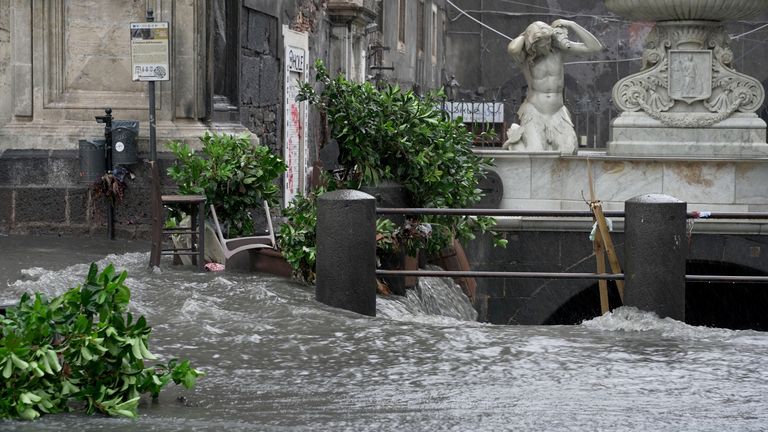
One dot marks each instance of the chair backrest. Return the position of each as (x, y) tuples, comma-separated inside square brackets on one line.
[(269, 225), (219, 232), (252, 242)]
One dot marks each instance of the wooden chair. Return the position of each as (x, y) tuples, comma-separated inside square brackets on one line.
[(238, 244), (194, 205)]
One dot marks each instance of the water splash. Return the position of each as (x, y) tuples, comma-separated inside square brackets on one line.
[(433, 300), (632, 319)]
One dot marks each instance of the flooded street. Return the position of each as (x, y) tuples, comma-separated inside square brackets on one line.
[(277, 360)]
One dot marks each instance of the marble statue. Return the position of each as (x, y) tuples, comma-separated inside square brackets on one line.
[(545, 123)]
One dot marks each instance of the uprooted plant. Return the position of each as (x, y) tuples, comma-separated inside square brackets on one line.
[(82, 346)]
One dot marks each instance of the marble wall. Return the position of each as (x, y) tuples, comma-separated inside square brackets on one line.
[(548, 181), (5, 58), (63, 61)]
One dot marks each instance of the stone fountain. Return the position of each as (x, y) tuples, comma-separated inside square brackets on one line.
[(688, 100), (687, 128)]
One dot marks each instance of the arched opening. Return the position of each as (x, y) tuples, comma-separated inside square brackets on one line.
[(730, 305), (584, 306)]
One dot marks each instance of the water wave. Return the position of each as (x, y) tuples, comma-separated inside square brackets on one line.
[(632, 319), (279, 360)]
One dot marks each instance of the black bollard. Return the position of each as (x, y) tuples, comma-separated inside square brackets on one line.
[(346, 251), (655, 251)]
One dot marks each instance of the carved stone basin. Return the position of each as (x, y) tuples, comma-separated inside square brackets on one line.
[(676, 10)]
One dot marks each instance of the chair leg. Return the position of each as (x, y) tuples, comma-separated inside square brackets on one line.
[(193, 230), (201, 236)]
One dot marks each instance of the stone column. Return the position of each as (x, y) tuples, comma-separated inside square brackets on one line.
[(21, 57), (655, 251), (346, 251)]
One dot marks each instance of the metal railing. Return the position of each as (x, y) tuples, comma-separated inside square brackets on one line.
[(558, 275), (554, 213)]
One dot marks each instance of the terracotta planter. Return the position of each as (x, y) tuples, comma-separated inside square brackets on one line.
[(455, 259), (260, 260), (398, 284)]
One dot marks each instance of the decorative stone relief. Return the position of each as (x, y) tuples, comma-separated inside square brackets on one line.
[(687, 79)]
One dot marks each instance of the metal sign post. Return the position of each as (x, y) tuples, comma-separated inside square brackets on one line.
[(107, 120), (150, 62)]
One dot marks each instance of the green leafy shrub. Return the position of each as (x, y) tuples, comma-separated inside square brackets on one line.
[(234, 175), (297, 239), (80, 346), (394, 135)]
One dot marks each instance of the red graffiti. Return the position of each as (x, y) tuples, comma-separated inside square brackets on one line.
[(296, 119)]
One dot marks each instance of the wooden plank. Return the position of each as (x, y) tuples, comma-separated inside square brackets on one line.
[(610, 250), (602, 283), (597, 246), (182, 199)]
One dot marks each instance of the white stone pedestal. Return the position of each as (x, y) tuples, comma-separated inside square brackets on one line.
[(549, 181), (743, 135)]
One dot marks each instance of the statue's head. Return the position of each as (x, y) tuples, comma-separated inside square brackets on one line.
[(538, 38)]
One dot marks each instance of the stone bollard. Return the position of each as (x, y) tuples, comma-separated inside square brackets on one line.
[(655, 251), (346, 251)]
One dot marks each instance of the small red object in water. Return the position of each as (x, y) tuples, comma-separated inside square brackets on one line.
[(214, 267)]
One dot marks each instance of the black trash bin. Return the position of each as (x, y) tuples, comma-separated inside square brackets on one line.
[(92, 163), (124, 142)]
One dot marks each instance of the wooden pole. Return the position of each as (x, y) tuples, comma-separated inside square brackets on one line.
[(598, 248), (610, 250)]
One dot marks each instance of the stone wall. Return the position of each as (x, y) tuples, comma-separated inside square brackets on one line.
[(5, 59), (411, 67), (40, 188), (69, 59), (541, 301), (41, 193), (260, 93)]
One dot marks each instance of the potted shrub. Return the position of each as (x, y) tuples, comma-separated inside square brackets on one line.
[(391, 135), (234, 175)]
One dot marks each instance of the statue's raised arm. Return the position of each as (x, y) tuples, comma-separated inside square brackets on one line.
[(589, 43), (516, 48)]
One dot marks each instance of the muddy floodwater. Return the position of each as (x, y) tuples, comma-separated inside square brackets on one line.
[(276, 360)]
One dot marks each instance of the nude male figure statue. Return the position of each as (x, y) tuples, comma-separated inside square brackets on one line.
[(539, 52)]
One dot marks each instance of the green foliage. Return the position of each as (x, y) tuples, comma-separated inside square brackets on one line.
[(297, 238), (83, 346), (390, 134), (298, 241), (234, 175)]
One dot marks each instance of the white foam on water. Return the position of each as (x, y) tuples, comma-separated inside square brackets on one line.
[(631, 319)]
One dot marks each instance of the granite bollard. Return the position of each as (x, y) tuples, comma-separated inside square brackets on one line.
[(655, 251), (346, 251)]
